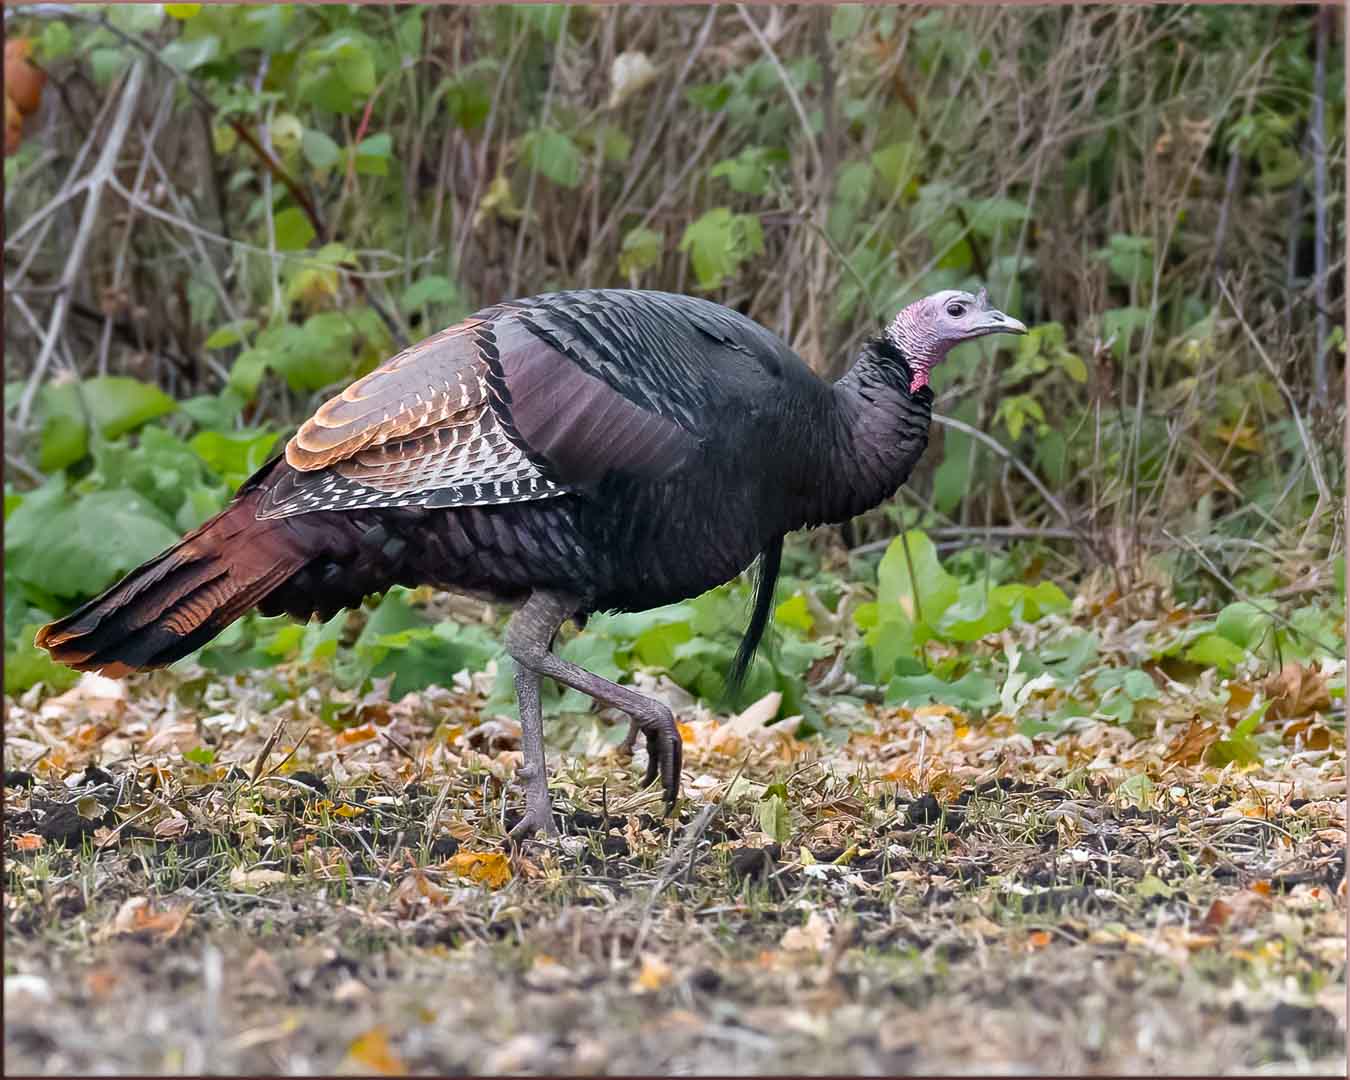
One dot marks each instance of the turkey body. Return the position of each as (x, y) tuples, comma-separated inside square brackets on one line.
[(572, 452), (625, 448)]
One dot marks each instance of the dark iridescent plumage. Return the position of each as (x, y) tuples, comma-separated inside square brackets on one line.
[(584, 451)]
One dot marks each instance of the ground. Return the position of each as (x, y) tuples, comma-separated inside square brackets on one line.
[(322, 884)]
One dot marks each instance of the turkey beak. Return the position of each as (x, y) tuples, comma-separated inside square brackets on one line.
[(995, 322)]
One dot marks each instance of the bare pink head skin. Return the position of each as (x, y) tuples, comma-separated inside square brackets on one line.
[(929, 328)]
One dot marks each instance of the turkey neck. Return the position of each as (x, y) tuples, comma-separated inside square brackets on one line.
[(875, 431)]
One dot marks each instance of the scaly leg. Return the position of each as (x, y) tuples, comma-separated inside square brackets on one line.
[(534, 772), (528, 639)]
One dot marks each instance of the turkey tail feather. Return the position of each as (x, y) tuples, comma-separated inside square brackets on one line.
[(181, 599)]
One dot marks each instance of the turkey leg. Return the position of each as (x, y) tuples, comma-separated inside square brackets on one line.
[(529, 637), (533, 773)]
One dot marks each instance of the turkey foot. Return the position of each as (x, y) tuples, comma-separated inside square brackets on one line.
[(533, 772), (529, 639)]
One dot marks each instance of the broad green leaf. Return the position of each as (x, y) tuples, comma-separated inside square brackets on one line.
[(80, 546), (432, 289), (972, 691), (233, 456), (320, 150), (26, 665), (846, 21), (554, 154), (293, 230), (718, 242), (795, 613), (232, 333), (372, 154), (936, 590), (1214, 650), (1243, 623), (189, 54)]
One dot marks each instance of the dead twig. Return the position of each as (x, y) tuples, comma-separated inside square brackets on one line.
[(98, 180)]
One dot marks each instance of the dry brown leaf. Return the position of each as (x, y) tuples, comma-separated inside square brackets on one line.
[(28, 842), (1296, 691), (490, 868), (1190, 746), (372, 1053), (139, 914)]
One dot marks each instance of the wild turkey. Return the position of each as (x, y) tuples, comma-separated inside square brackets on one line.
[(575, 452)]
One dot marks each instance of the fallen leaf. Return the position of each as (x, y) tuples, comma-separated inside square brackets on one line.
[(139, 914), (815, 935), (28, 842), (655, 974), (1038, 939), (1190, 747), (355, 735), (255, 879), (372, 1052), (1219, 913), (490, 868), (1296, 691)]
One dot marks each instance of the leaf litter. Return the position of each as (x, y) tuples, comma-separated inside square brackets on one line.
[(1167, 894)]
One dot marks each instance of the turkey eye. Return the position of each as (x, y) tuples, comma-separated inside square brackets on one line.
[(955, 310)]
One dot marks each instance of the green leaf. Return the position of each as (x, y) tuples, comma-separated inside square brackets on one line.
[(1239, 746), (188, 55), (338, 73), (372, 154), (468, 96), (73, 547), (232, 333), (1243, 623), (718, 242), (846, 21), (795, 613), (554, 154), (1214, 650), (751, 171), (106, 64), (976, 614), (972, 691), (26, 665), (772, 815), (54, 43), (214, 411), (201, 755), (432, 289), (936, 589), (116, 403), (64, 440), (1136, 791), (641, 251), (320, 151), (293, 229), (233, 456)]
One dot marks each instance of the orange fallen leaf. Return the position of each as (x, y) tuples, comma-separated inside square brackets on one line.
[(355, 735), (28, 842), (1038, 939), (655, 974), (1218, 914), (372, 1052), (1190, 747), (140, 915), (490, 868)]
